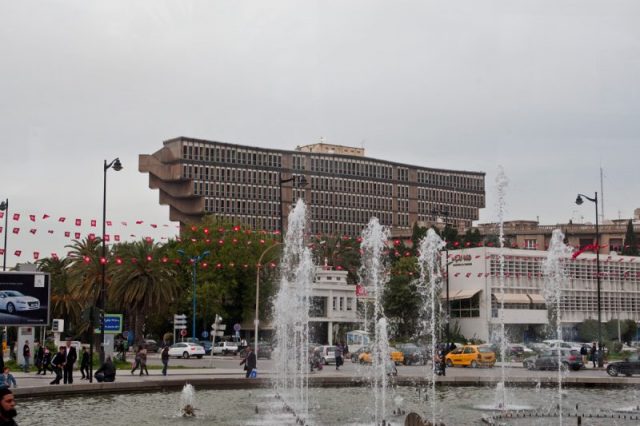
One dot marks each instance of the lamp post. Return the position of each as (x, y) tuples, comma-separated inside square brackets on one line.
[(299, 181), (4, 206), (594, 200), (256, 321), (194, 262), (117, 166)]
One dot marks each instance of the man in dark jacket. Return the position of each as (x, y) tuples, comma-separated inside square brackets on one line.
[(250, 362), (39, 357), (106, 372), (7, 408), (26, 353), (84, 364), (58, 363), (165, 359), (71, 358)]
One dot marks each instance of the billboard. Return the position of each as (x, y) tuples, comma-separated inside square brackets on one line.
[(112, 324), (25, 298)]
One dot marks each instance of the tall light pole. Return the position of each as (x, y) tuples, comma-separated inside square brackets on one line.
[(594, 200), (256, 321), (4, 206), (299, 181), (117, 166), (195, 260)]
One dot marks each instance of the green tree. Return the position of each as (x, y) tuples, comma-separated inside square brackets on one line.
[(145, 282), (630, 241), (588, 330), (85, 271), (63, 303), (401, 300), (472, 237)]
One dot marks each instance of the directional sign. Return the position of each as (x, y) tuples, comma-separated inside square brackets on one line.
[(112, 324), (180, 327), (183, 332), (219, 333)]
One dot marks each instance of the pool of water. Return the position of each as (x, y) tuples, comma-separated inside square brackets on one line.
[(328, 406)]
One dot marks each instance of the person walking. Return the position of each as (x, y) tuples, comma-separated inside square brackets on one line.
[(250, 362), (26, 353), (84, 364), (136, 361), (584, 353), (7, 408), (58, 364), (70, 360), (338, 354), (594, 355), (38, 359), (143, 361), (164, 356), (7, 379)]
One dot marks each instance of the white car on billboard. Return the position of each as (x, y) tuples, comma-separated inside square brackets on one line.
[(13, 301)]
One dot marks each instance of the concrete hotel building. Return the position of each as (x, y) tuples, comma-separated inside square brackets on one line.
[(475, 297), (345, 188)]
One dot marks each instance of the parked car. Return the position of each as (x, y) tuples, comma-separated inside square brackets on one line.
[(207, 345), (394, 354), (628, 366), (471, 356), (355, 355), (548, 360), (13, 301), (186, 350), (328, 354), (412, 354), (151, 345), (562, 344), (225, 348)]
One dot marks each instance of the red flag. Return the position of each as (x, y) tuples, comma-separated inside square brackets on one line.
[(1, 215), (153, 225), (77, 235), (588, 247), (16, 216), (50, 231), (36, 255), (139, 222), (1, 229), (93, 222), (33, 231), (16, 230), (124, 223), (361, 290), (62, 219), (116, 237), (108, 223), (106, 238), (78, 222), (32, 217), (92, 237), (1, 252), (17, 253), (45, 216), (67, 234), (54, 256)]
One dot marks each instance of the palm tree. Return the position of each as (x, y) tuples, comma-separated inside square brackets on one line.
[(142, 282), (85, 270), (63, 303)]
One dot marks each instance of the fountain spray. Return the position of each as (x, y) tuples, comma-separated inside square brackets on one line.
[(501, 187)]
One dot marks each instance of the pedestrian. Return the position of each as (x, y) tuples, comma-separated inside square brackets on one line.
[(70, 360), (338, 354), (106, 372), (57, 363), (136, 361), (46, 362), (250, 362), (1, 359), (26, 353), (584, 352), (84, 364), (143, 361), (7, 379), (7, 408), (164, 355), (38, 359), (594, 355)]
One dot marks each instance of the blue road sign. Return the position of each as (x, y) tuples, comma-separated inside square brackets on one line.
[(112, 324), (205, 334)]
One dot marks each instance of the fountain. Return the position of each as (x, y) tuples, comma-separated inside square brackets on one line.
[(188, 401), (429, 288), (373, 275), (291, 318), (555, 279)]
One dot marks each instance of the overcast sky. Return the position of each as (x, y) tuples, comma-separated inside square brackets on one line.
[(547, 89)]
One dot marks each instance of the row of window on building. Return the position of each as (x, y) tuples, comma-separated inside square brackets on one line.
[(213, 153), (448, 196), (451, 180), (582, 270)]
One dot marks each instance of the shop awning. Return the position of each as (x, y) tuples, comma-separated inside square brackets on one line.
[(463, 294), (537, 298), (512, 298)]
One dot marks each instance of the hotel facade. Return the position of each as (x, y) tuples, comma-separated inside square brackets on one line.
[(344, 188), (476, 298)]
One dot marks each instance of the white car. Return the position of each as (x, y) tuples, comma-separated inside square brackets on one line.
[(13, 301), (186, 350), (224, 348)]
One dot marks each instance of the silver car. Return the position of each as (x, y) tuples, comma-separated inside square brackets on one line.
[(13, 301)]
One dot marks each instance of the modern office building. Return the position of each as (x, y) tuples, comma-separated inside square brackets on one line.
[(344, 189), (475, 296)]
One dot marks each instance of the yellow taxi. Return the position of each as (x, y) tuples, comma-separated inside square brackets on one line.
[(471, 356), (396, 356)]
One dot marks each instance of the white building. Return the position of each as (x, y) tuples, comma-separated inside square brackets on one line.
[(475, 297), (333, 303)]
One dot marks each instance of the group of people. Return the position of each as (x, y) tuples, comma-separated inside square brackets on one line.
[(592, 354)]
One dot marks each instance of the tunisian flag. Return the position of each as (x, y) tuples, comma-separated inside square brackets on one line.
[(361, 291), (588, 247)]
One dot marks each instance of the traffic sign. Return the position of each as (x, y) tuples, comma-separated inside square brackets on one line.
[(179, 319), (183, 332), (219, 333), (222, 327), (237, 327), (180, 327), (205, 334)]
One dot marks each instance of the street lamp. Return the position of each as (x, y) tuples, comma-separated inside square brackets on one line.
[(194, 261), (4, 206), (117, 166), (298, 180), (594, 200), (256, 321)]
